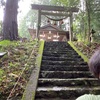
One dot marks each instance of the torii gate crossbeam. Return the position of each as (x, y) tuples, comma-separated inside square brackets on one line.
[(54, 8)]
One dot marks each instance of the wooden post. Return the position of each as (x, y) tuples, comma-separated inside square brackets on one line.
[(38, 24), (71, 27)]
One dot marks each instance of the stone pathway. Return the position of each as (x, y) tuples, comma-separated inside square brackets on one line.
[(63, 74)]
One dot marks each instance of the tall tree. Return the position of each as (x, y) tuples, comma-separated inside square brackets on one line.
[(93, 16), (88, 10), (10, 27)]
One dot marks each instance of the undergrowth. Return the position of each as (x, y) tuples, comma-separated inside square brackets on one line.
[(12, 65)]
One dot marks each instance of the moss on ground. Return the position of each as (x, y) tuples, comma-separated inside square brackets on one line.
[(80, 53)]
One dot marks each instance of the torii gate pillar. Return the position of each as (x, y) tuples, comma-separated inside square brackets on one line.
[(38, 24), (71, 27)]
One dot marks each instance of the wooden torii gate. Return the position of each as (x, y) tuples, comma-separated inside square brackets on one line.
[(64, 11)]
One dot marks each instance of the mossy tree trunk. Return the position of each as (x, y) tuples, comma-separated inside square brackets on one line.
[(10, 27)]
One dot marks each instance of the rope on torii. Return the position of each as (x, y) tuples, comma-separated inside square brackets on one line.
[(60, 19)]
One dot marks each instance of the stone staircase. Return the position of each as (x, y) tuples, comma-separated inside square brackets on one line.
[(64, 75)]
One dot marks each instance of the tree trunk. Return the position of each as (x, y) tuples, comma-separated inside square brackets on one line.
[(88, 15), (10, 27)]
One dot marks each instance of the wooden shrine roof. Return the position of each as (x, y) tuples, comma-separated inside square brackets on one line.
[(48, 28)]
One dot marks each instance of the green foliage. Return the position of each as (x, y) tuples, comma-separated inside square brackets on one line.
[(93, 9), (1, 74), (23, 28), (5, 43), (82, 21), (46, 2), (69, 3), (79, 37), (95, 15), (96, 38)]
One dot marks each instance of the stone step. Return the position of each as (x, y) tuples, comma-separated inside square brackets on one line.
[(62, 58), (65, 74), (57, 46), (61, 55), (84, 65), (63, 68), (59, 50), (53, 99), (65, 92), (66, 53), (58, 42), (47, 62), (86, 82), (66, 57)]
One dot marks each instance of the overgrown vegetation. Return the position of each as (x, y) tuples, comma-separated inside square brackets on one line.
[(87, 48), (17, 63)]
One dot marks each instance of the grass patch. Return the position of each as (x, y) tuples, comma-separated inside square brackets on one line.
[(5, 43)]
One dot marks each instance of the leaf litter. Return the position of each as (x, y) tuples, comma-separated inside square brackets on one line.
[(11, 66)]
